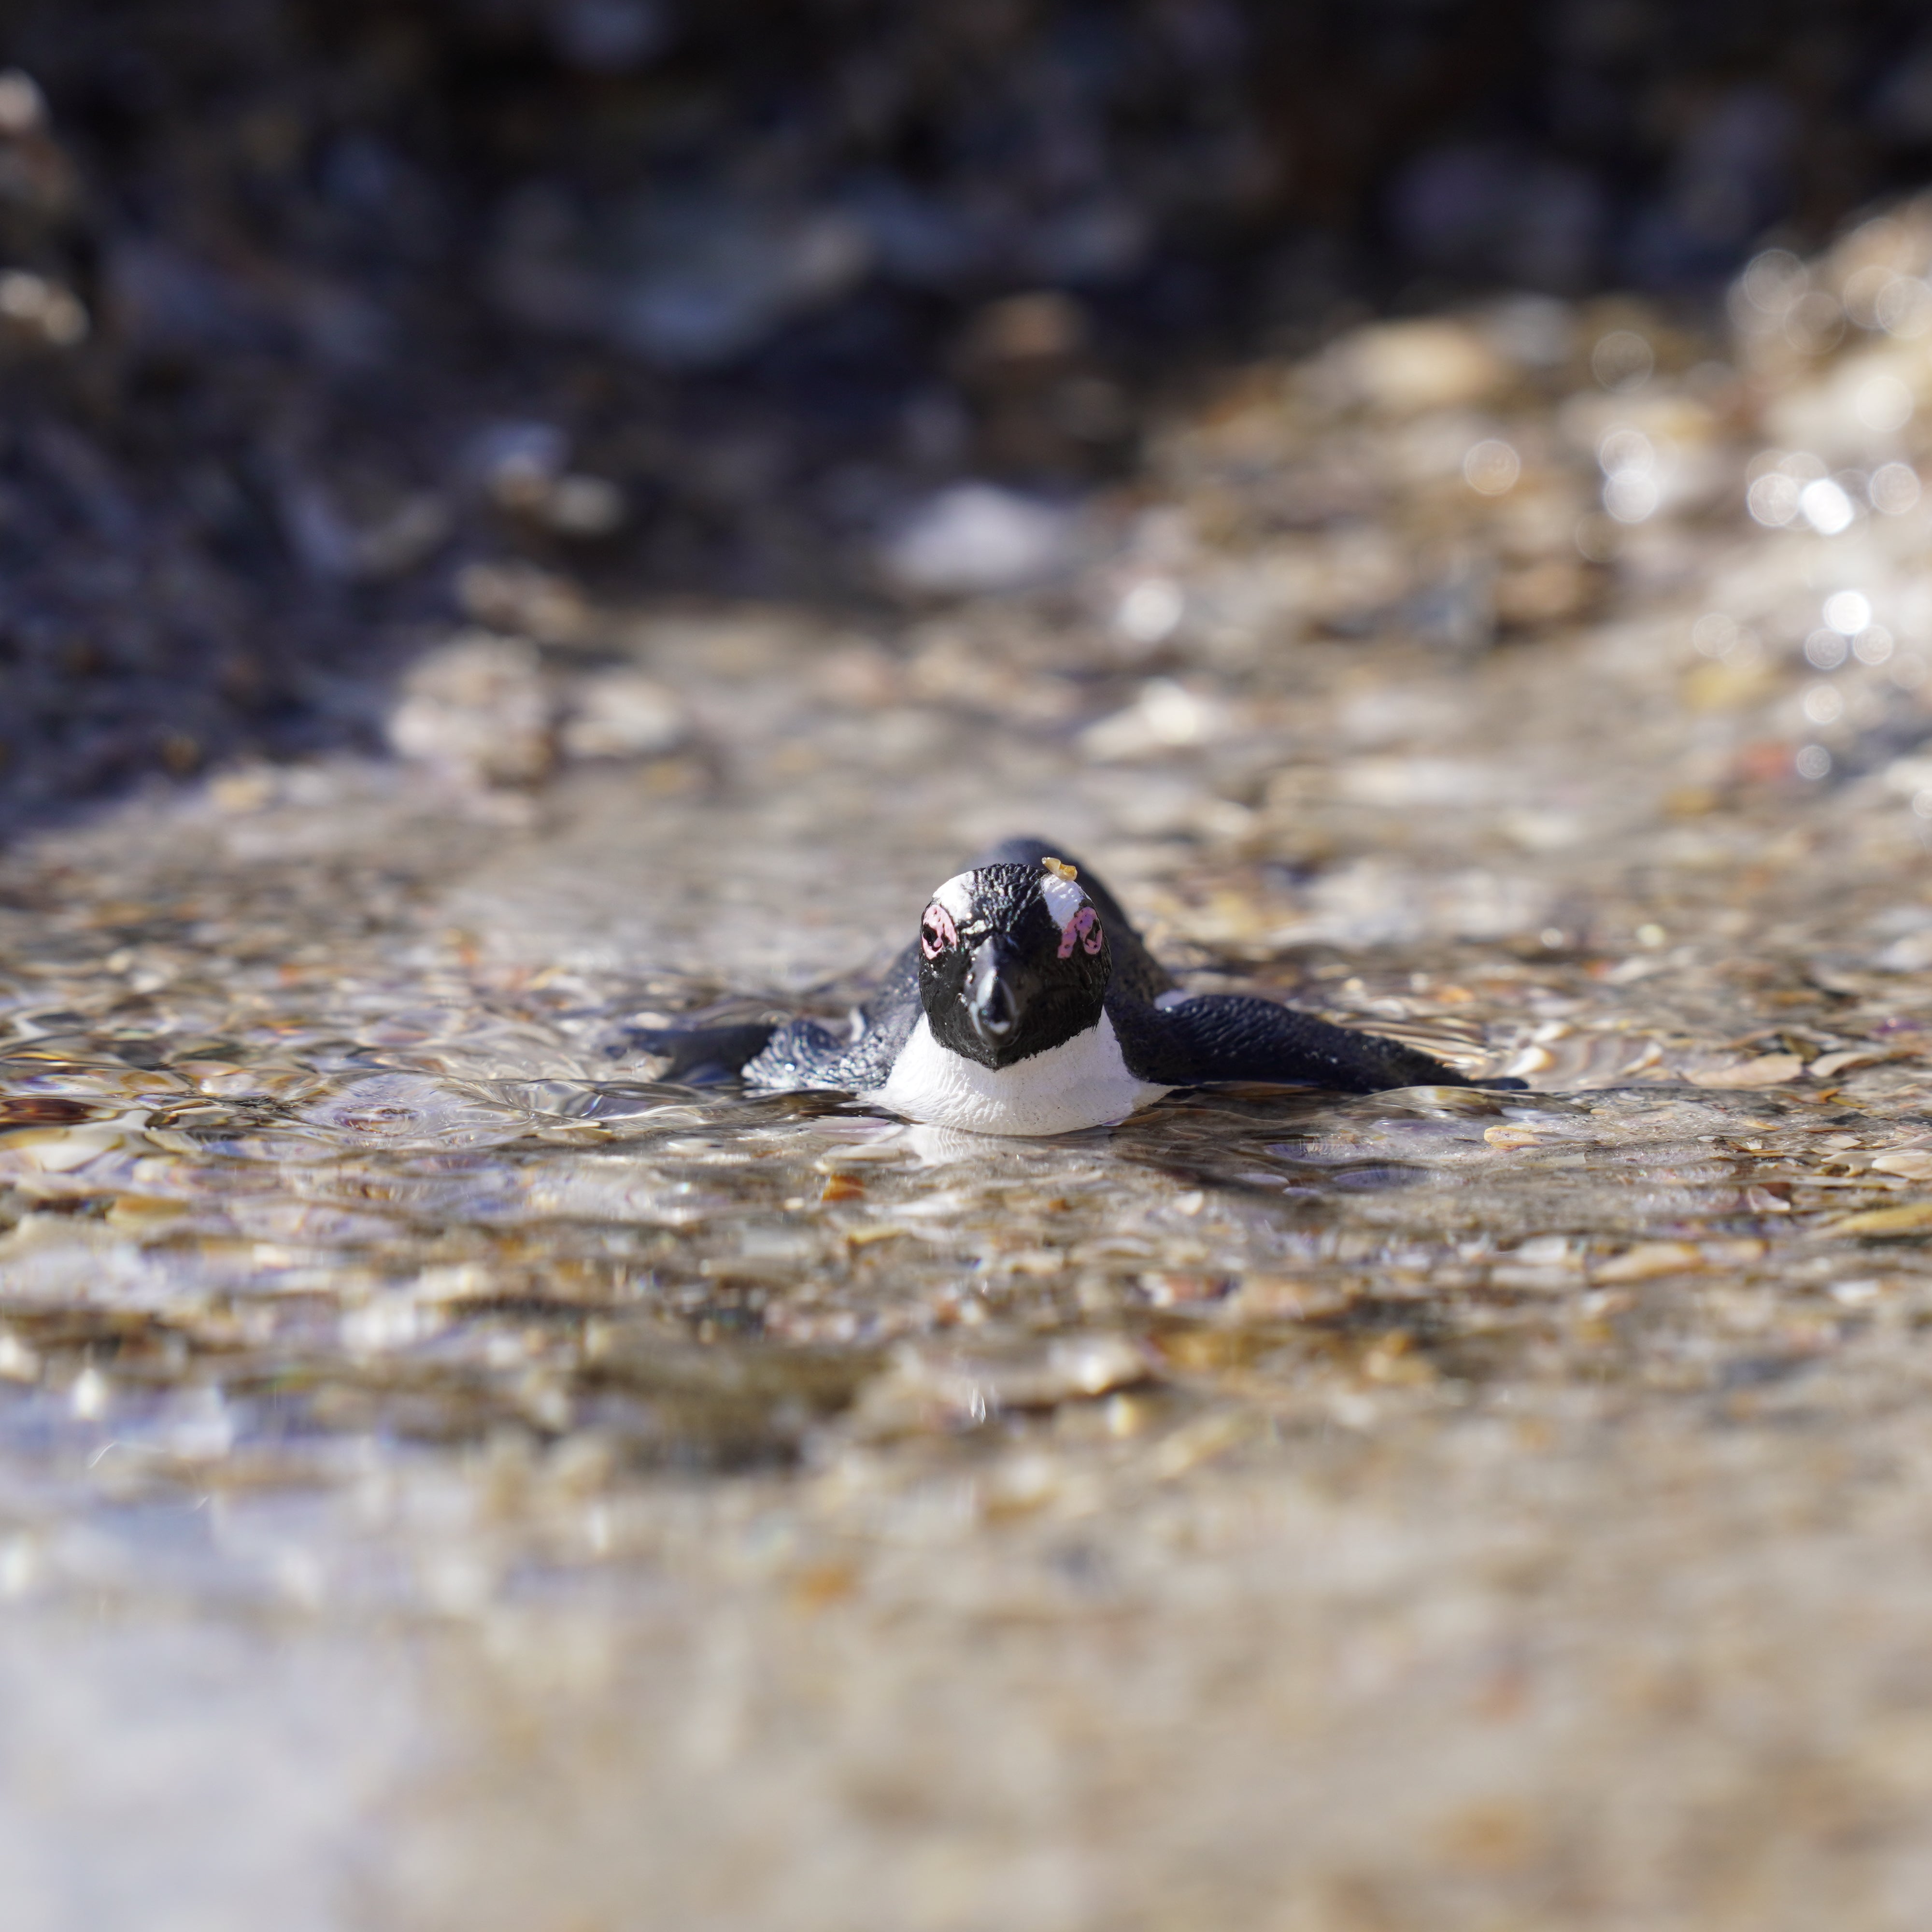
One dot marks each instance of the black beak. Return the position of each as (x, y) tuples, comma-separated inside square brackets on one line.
[(998, 985)]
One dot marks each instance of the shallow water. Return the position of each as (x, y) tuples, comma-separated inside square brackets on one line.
[(446, 1478)]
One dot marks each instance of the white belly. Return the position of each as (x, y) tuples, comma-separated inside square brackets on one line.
[(1084, 1082)]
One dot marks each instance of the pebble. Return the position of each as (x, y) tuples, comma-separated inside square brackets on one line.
[(478, 708), (933, 1387), (1646, 1261), (1767, 1069), (1401, 369), (978, 537), (623, 714)]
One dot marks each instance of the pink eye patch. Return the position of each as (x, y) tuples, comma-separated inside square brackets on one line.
[(936, 932), (1082, 929)]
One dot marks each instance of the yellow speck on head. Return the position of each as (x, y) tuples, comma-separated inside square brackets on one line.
[(1060, 869)]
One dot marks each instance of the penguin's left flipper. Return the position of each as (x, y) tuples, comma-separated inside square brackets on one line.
[(1229, 1036), (697, 1056)]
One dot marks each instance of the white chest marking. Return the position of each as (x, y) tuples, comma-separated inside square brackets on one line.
[(1083, 1082)]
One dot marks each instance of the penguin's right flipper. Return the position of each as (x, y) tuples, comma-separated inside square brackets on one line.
[(806, 1053), (699, 1056), (1136, 971)]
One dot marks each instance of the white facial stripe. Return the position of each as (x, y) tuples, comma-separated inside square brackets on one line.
[(1063, 899), (955, 896)]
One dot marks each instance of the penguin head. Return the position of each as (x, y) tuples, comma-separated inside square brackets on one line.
[(1013, 961)]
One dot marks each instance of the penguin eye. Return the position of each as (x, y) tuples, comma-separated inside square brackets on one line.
[(936, 932), (1082, 930)]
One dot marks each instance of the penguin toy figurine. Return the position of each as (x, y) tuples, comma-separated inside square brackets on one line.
[(1029, 1005)]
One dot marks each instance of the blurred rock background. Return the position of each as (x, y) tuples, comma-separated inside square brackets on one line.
[(319, 324)]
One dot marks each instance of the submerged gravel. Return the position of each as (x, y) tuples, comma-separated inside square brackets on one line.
[(446, 1479)]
